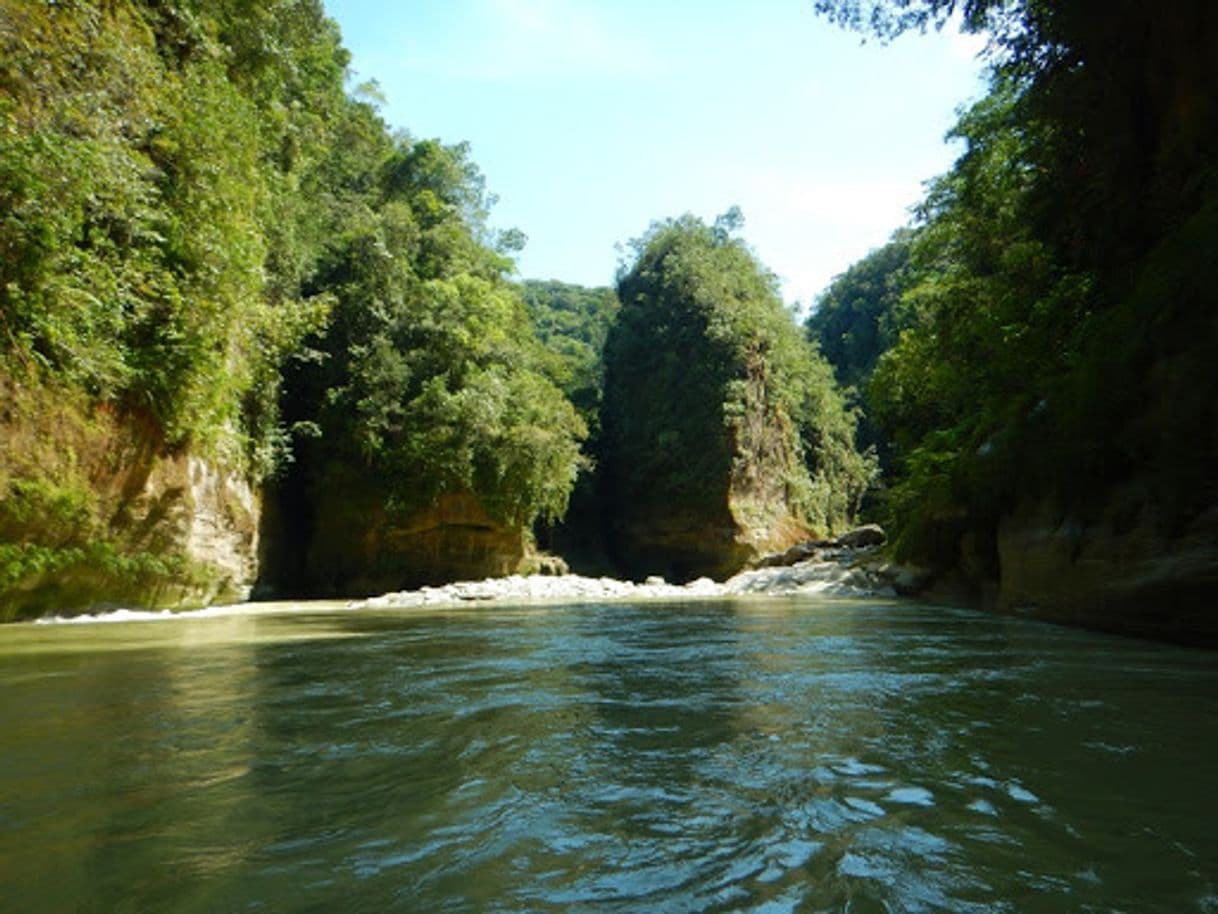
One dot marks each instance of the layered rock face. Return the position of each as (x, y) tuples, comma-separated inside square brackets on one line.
[(96, 512), (726, 524), (360, 548), (207, 514), (1125, 571), (1128, 565)]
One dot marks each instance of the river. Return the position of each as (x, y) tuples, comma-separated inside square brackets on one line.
[(773, 755)]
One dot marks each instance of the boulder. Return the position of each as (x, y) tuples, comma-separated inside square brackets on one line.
[(863, 537), (800, 552)]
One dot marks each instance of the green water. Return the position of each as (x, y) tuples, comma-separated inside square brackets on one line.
[(765, 756)]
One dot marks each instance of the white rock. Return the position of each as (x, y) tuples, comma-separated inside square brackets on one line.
[(813, 576)]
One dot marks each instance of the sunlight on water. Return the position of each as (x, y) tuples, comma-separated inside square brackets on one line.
[(128, 630), (781, 755)]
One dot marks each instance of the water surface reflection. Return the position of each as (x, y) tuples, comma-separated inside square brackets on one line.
[(755, 756)]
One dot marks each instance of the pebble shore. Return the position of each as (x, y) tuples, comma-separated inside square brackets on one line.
[(841, 573)]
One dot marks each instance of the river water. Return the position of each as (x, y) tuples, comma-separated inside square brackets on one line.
[(771, 755)]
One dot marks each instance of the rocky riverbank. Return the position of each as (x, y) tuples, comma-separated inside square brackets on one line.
[(830, 570), (840, 571)]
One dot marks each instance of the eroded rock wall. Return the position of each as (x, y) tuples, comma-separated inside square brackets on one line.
[(1123, 571), (357, 545), (96, 512), (741, 512)]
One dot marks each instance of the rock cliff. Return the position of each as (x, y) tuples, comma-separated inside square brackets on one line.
[(336, 536), (724, 436), (728, 526), (95, 511), (1124, 565), (1123, 571)]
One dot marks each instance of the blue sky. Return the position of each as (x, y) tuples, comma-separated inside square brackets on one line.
[(592, 118)]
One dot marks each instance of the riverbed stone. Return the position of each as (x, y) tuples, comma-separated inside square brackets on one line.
[(839, 576), (863, 537)]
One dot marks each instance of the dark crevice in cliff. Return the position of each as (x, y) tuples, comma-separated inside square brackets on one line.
[(287, 527)]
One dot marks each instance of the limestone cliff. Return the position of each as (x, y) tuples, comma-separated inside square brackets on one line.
[(723, 526), (95, 511), (336, 536), (1123, 571)]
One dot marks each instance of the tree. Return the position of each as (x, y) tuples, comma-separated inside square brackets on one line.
[(1061, 311)]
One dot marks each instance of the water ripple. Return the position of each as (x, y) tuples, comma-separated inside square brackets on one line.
[(787, 756)]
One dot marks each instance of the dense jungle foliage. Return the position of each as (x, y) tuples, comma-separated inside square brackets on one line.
[(1047, 329), (159, 210), (208, 234), (192, 201), (572, 322), (157, 169), (428, 376), (706, 373), (861, 315)]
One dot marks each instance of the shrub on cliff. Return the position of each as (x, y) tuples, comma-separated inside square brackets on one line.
[(153, 233)]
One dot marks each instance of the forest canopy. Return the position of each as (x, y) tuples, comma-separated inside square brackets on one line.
[(1055, 317)]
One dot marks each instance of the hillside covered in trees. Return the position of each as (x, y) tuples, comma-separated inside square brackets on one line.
[(216, 259), (1037, 353), (252, 335), (249, 334)]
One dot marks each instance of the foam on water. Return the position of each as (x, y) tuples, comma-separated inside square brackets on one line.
[(123, 614)]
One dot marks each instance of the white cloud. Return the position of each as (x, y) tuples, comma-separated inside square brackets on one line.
[(963, 45), (808, 231)]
